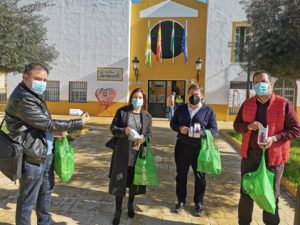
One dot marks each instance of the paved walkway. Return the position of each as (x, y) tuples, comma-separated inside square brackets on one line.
[(85, 200)]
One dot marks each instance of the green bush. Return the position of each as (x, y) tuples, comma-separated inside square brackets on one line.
[(292, 167)]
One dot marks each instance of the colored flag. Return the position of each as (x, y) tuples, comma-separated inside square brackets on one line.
[(135, 1), (184, 46), (148, 47), (172, 47), (158, 45)]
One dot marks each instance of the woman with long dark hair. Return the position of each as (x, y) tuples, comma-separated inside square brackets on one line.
[(130, 127)]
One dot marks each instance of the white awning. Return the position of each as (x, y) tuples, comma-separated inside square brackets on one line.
[(168, 9)]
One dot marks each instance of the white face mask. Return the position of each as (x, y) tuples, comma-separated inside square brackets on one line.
[(38, 87)]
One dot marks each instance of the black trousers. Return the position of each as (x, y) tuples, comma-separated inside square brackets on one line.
[(186, 156), (246, 203)]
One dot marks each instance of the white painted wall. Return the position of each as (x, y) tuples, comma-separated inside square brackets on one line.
[(219, 69), (87, 34)]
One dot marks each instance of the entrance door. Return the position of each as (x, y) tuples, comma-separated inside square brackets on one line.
[(157, 92)]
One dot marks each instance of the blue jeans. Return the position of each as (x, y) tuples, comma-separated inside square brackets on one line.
[(36, 187), (170, 110)]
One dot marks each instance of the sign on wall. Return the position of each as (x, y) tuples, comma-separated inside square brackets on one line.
[(110, 74)]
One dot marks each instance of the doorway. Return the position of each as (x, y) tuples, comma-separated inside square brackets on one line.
[(158, 91)]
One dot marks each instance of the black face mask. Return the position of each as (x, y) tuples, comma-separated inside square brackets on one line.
[(194, 99)]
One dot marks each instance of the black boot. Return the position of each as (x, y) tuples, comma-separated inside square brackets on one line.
[(116, 220), (131, 212)]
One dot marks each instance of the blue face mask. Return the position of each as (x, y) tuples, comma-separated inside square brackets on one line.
[(137, 103), (262, 88), (38, 87)]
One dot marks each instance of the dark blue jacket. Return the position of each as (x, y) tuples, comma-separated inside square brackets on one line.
[(205, 116)]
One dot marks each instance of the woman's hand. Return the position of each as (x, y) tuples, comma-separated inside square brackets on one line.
[(140, 140), (127, 131)]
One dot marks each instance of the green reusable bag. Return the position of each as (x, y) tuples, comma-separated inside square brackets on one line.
[(209, 159), (63, 159), (144, 169), (259, 185)]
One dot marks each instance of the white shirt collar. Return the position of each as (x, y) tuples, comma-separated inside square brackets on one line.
[(192, 111)]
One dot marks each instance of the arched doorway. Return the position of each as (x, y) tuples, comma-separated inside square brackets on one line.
[(287, 89)]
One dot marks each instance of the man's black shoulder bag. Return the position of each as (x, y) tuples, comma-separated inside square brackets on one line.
[(11, 156)]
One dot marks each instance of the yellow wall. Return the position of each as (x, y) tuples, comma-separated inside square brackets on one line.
[(167, 70), (93, 108)]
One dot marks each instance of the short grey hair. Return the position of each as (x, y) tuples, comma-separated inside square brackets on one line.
[(195, 86)]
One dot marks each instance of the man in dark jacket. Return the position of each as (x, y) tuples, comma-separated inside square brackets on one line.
[(190, 121), (30, 123)]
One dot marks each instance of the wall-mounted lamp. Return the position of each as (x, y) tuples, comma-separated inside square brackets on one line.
[(198, 67), (136, 62)]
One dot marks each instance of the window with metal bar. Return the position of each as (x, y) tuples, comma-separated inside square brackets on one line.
[(52, 92), (3, 96), (241, 43), (78, 91), (287, 89)]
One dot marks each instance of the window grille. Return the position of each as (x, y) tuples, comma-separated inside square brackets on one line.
[(52, 92), (241, 43), (78, 91)]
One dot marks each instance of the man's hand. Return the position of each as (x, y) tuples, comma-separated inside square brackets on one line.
[(268, 143), (127, 131), (255, 126), (184, 130), (85, 117)]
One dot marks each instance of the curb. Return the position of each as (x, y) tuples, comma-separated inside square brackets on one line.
[(285, 183)]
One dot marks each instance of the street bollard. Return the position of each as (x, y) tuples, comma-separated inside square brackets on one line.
[(297, 210)]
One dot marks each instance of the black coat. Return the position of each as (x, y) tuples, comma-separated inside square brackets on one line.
[(119, 161), (28, 120)]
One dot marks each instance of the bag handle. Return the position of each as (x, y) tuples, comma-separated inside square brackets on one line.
[(2, 121), (142, 152), (210, 139), (27, 131)]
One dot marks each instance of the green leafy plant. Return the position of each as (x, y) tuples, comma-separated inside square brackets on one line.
[(23, 35)]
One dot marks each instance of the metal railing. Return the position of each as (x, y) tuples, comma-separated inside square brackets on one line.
[(3, 95)]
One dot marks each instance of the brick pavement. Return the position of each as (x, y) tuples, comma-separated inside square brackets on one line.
[(85, 200)]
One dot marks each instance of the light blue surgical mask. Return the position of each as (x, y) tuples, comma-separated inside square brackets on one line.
[(137, 103), (39, 86), (261, 88)]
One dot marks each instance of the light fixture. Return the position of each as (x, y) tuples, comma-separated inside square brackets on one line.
[(136, 62), (198, 67)]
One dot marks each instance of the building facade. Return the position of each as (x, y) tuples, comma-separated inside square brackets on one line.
[(98, 42)]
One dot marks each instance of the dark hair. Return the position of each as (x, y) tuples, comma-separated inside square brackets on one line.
[(144, 106), (34, 66), (195, 86), (261, 72)]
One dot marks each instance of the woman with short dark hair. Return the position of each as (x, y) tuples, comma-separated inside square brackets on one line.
[(131, 126)]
